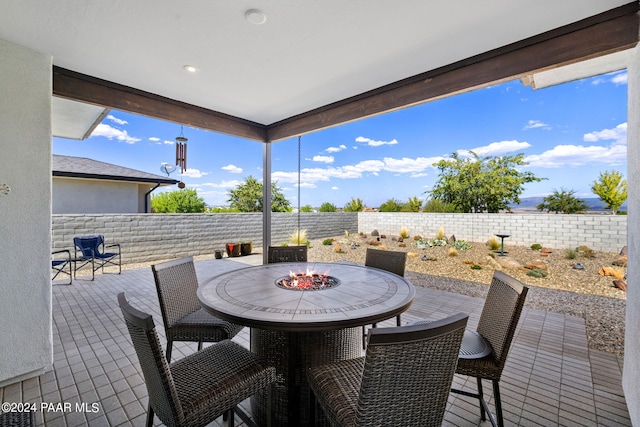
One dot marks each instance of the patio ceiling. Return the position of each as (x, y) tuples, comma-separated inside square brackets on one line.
[(312, 64)]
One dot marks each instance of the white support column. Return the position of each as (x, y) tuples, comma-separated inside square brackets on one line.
[(631, 373), (26, 340), (266, 201)]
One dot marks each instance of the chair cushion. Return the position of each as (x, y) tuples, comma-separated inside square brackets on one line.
[(202, 326), (218, 378), (336, 387)]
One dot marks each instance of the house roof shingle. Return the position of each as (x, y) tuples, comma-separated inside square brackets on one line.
[(82, 167)]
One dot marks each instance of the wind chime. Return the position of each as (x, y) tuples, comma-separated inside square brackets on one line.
[(181, 155)]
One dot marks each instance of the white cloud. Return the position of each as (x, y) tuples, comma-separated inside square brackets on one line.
[(232, 168), (223, 184), (323, 159), (167, 142), (407, 165), (373, 143), (336, 149), (194, 173), (579, 155), (154, 138), (306, 185), (535, 124), (618, 134), (113, 133), (418, 175), (335, 188), (496, 148), (116, 120), (619, 79)]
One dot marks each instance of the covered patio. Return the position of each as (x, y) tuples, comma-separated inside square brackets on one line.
[(551, 377), (64, 64)]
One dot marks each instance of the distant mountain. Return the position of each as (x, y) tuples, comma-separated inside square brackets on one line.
[(530, 204)]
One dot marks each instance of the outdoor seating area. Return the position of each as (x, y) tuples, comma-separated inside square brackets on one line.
[(91, 251), (549, 378)]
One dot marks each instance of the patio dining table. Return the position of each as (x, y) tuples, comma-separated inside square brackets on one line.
[(296, 329)]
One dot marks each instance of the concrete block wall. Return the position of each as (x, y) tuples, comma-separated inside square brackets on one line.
[(606, 233), (150, 237)]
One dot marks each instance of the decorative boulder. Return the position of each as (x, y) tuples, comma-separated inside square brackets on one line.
[(537, 264)]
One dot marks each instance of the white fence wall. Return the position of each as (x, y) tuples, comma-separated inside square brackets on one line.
[(599, 232)]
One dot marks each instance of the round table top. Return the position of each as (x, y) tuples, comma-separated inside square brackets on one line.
[(250, 297)]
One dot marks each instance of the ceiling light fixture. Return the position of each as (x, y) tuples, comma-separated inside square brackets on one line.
[(255, 16), (190, 68)]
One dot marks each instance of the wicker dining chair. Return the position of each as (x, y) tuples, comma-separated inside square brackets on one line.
[(391, 261), (497, 324), (201, 387), (287, 254), (183, 317), (403, 380)]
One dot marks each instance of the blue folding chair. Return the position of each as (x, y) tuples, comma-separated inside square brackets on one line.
[(91, 250), (60, 264)]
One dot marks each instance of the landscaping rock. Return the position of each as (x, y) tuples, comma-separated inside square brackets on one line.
[(375, 233), (546, 251), (507, 263), (620, 262), (578, 266), (537, 264), (623, 252), (451, 240), (620, 284)]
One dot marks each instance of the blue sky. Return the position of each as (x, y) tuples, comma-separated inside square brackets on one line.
[(569, 134)]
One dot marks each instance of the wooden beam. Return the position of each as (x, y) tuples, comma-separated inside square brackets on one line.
[(80, 87), (598, 35)]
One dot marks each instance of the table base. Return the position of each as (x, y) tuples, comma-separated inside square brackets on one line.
[(292, 354)]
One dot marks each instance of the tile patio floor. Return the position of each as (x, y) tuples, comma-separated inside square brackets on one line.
[(551, 377)]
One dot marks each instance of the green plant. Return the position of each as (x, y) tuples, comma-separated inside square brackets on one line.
[(461, 245), (247, 197), (537, 273), (493, 243), (453, 252), (327, 207), (299, 237), (536, 246), (563, 201), (570, 253), (476, 267), (391, 205), (404, 232), (611, 188), (440, 235), (354, 205), (327, 242), (481, 184), (306, 208), (180, 201)]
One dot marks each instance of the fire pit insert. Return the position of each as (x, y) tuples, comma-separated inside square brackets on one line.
[(308, 281)]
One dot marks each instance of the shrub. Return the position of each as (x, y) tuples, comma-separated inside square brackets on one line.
[(404, 232), (536, 246), (493, 243), (453, 252), (418, 237), (476, 267), (570, 253), (299, 237), (373, 243), (440, 234), (327, 242), (537, 273), (461, 245)]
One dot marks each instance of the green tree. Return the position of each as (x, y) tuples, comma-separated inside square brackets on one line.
[(434, 205), (481, 184), (221, 209), (563, 201), (306, 208), (328, 207), (391, 205), (354, 205), (612, 189), (413, 205), (180, 201), (247, 197)]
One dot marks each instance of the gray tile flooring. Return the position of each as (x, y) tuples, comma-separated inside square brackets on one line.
[(551, 377)]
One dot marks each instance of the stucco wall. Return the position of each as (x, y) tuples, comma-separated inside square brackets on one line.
[(75, 196), (26, 340), (631, 373), (148, 237), (599, 232)]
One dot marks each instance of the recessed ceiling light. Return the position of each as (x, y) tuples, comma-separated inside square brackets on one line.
[(255, 16), (191, 68)]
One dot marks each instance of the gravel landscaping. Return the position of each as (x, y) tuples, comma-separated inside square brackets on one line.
[(583, 293)]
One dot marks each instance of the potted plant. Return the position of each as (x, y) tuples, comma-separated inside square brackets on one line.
[(246, 247), (233, 249)]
